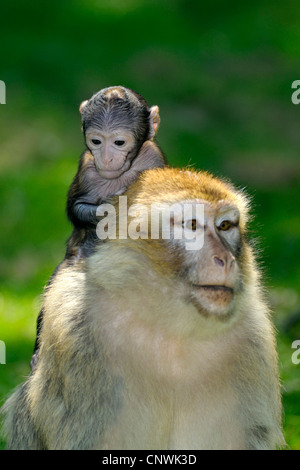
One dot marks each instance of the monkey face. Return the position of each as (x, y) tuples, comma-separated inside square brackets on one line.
[(211, 271), (200, 241), (112, 150)]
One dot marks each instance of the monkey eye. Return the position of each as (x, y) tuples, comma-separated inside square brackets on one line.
[(190, 224), (96, 141), (225, 225), (119, 143)]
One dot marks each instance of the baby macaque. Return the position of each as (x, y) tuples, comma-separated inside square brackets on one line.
[(119, 129)]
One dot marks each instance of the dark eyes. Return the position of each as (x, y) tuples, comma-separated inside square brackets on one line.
[(119, 143), (225, 225), (96, 141)]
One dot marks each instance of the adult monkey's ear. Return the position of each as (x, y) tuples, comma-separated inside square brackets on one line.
[(83, 105), (154, 121)]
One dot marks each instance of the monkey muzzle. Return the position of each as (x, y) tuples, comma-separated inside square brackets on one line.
[(216, 294)]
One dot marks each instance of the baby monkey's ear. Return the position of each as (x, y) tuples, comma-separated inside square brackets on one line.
[(154, 121), (83, 105)]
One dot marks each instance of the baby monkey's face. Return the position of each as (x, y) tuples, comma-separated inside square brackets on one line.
[(113, 151)]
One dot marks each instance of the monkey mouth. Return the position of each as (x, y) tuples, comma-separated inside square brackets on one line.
[(215, 299), (110, 174), (113, 173), (216, 288)]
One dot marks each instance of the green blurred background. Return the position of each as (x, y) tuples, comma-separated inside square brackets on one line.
[(222, 77)]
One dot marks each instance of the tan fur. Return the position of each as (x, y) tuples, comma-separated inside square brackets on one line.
[(83, 105), (127, 361), (115, 92)]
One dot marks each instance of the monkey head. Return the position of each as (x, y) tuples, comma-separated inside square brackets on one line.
[(211, 274), (116, 121)]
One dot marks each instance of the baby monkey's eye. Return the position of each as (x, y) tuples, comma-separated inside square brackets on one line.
[(225, 225), (119, 143), (96, 141)]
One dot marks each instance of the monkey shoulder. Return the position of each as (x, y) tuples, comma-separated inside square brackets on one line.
[(149, 156)]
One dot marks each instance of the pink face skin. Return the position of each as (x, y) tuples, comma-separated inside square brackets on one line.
[(111, 150), (213, 272)]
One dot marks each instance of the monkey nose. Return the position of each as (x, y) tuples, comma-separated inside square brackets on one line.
[(219, 261), (107, 159), (226, 261)]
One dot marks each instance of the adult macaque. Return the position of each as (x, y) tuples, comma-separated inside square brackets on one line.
[(148, 345), (119, 129)]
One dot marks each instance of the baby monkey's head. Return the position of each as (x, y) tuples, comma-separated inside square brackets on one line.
[(116, 122)]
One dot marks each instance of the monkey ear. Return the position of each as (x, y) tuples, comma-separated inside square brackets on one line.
[(83, 104), (154, 121)]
